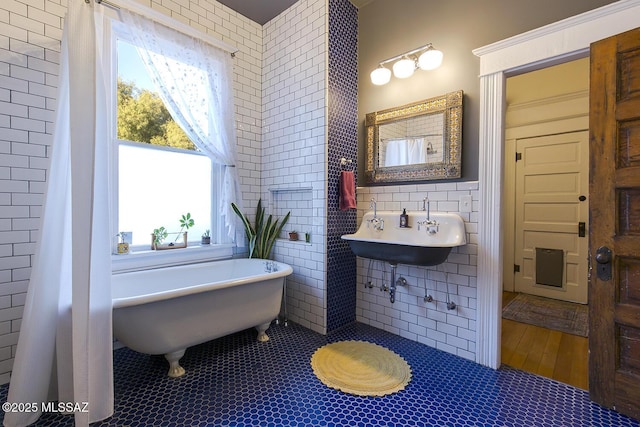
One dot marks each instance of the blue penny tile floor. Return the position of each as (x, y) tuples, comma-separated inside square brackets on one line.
[(237, 381)]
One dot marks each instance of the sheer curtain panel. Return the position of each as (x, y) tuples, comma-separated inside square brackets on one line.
[(64, 349), (195, 81)]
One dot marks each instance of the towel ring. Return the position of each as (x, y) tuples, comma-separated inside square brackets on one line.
[(344, 162)]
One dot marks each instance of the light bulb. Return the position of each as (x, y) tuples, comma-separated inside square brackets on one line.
[(380, 76), (430, 60), (404, 68)]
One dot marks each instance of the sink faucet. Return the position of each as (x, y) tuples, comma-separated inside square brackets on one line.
[(378, 223), (426, 206), (432, 225)]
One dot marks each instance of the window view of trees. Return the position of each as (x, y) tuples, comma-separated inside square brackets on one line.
[(143, 117)]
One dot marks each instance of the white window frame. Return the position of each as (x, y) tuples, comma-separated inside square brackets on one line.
[(140, 258), (216, 177)]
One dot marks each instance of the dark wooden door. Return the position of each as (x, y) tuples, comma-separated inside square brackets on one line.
[(614, 238)]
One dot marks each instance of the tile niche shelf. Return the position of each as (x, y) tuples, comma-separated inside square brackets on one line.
[(298, 201)]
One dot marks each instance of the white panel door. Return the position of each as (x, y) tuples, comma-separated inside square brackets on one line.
[(552, 182)]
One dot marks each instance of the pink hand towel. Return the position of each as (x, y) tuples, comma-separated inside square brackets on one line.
[(347, 190)]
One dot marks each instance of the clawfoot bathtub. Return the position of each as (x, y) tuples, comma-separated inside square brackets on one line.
[(167, 310)]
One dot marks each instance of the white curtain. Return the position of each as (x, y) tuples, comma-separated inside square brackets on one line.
[(195, 81), (65, 345), (396, 152), (409, 151), (417, 152)]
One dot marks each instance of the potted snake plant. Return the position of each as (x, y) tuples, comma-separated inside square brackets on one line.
[(263, 233)]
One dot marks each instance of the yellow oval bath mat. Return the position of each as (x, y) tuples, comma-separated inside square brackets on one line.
[(360, 368)]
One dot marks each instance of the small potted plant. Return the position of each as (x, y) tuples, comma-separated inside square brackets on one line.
[(293, 235), (186, 222), (206, 238), (123, 247), (160, 234)]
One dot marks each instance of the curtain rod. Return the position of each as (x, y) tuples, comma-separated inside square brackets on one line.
[(108, 3), (171, 23)]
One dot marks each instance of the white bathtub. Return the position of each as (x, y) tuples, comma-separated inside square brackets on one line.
[(166, 310)]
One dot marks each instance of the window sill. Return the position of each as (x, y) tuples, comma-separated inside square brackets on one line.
[(144, 260)]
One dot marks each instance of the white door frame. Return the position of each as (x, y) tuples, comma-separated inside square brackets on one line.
[(555, 43), (557, 114)]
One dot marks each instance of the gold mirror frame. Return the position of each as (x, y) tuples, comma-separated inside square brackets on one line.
[(450, 105)]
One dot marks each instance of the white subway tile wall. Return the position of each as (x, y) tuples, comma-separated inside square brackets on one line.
[(280, 88), (30, 34), (410, 316), (294, 149)]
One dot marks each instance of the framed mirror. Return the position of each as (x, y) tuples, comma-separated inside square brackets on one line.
[(415, 142)]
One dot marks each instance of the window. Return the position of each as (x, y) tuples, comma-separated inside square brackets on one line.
[(160, 173), (155, 186)]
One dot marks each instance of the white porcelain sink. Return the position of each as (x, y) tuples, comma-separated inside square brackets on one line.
[(421, 243)]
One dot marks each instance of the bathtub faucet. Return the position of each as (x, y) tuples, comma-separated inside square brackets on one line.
[(270, 266)]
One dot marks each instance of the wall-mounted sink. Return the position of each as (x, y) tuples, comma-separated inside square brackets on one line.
[(427, 241)]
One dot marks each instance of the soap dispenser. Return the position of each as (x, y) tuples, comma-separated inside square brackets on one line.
[(404, 219)]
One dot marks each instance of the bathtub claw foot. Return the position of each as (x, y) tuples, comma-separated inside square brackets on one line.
[(175, 370), (262, 329)]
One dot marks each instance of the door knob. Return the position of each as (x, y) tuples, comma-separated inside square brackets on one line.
[(603, 258), (603, 255), (582, 198)]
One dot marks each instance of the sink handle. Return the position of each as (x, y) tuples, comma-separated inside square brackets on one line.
[(432, 225), (378, 223)]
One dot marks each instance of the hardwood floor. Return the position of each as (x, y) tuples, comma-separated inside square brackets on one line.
[(552, 354)]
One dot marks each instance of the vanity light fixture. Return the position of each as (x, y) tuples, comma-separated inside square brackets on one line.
[(404, 68), (380, 76), (424, 58)]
